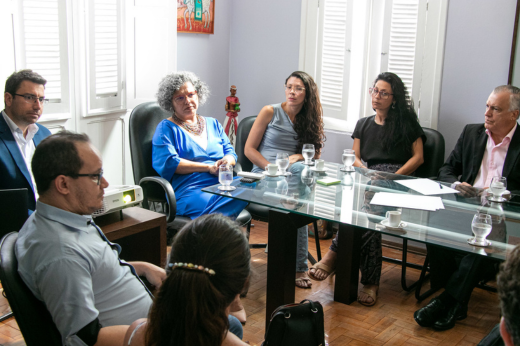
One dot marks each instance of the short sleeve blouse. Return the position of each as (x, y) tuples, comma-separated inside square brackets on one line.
[(372, 151)]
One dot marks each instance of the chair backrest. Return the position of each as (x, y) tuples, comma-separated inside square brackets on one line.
[(244, 127), (34, 320), (433, 152), (143, 121), (13, 210)]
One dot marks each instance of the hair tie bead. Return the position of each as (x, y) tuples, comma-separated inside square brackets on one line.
[(191, 266)]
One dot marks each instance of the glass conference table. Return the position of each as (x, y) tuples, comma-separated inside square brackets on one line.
[(297, 200)]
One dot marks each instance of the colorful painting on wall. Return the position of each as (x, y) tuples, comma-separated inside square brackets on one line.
[(196, 16)]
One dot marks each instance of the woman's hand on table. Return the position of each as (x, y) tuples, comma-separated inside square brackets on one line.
[(295, 158)]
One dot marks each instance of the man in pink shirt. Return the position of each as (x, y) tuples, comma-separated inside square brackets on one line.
[(482, 152), (489, 149)]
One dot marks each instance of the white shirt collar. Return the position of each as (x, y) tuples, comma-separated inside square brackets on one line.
[(31, 129)]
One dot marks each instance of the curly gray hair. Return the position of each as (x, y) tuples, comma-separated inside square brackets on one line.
[(173, 82)]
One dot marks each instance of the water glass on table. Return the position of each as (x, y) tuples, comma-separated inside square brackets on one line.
[(481, 227), (308, 153), (282, 160), (348, 158), (497, 187), (225, 177)]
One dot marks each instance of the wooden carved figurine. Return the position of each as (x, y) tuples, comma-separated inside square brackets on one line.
[(231, 123)]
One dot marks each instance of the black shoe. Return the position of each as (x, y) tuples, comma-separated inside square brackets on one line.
[(428, 315), (455, 313)]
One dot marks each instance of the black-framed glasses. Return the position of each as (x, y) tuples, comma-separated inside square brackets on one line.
[(30, 98), (383, 94), (96, 177)]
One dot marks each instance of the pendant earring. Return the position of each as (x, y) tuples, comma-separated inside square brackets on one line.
[(393, 105)]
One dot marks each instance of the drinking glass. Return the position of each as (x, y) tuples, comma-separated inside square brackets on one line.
[(225, 177), (282, 160), (307, 177), (308, 153), (497, 187), (348, 158), (481, 227)]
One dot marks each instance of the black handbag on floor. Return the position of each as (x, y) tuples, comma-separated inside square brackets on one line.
[(296, 324)]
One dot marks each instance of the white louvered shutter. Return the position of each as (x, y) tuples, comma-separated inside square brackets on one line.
[(105, 89), (333, 59), (405, 21), (41, 45)]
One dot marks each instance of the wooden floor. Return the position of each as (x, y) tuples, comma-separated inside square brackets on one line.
[(389, 322)]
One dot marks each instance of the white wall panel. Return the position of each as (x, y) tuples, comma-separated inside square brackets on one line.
[(108, 136)]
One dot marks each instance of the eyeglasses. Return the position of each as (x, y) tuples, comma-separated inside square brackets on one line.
[(182, 99), (29, 98), (96, 177), (384, 95), (297, 89)]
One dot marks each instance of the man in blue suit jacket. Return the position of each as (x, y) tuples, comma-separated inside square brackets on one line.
[(19, 133)]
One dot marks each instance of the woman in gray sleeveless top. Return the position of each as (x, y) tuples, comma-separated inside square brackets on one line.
[(284, 128)]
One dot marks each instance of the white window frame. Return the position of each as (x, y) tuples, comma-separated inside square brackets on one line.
[(428, 99)]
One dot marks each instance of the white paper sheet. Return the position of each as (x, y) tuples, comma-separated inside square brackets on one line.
[(407, 201), (426, 186)]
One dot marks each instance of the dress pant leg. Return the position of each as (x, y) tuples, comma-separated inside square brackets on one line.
[(472, 269), (334, 245), (371, 260), (302, 250), (442, 265)]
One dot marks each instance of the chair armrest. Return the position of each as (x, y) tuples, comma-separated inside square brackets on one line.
[(158, 189)]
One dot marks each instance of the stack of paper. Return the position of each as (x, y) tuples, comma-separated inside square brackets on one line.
[(407, 201), (426, 186)]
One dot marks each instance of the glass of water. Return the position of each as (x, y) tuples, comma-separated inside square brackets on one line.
[(348, 158), (282, 160), (225, 177), (308, 153), (497, 187), (481, 227)]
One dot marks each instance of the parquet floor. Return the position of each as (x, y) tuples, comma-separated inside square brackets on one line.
[(388, 322)]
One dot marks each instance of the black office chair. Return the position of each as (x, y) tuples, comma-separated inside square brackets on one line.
[(259, 212), (13, 213), (433, 152), (33, 318), (158, 194)]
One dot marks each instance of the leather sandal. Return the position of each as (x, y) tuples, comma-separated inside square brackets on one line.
[(371, 293), (299, 282), (323, 267)]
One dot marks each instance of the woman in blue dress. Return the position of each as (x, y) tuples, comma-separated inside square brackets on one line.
[(188, 148), (284, 128)]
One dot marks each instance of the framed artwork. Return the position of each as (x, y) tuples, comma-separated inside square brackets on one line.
[(514, 64), (196, 16)]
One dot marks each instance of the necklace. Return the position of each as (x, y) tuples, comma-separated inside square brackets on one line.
[(196, 129)]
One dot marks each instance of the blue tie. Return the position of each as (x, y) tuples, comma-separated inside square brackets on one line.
[(117, 247)]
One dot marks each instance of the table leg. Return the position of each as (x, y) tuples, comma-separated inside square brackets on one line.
[(347, 264), (281, 259)]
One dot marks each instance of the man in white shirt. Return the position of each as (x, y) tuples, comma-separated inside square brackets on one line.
[(24, 98), (482, 152)]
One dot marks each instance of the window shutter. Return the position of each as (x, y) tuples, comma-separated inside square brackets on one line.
[(104, 66), (333, 54), (406, 21), (105, 45), (42, 43), (403, 34)]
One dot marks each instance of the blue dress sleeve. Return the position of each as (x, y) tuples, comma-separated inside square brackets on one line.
[(165, 158)]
